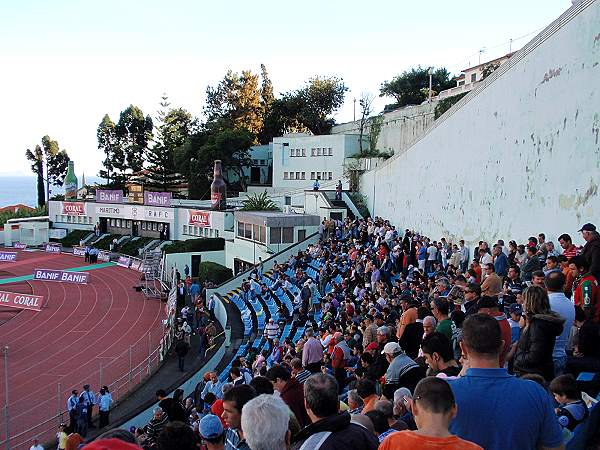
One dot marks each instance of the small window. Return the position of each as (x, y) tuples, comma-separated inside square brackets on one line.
[(240, 232), (287, 200), (185, 229), (303, 152), (275, 235), (304, 175), (291, 152), (255, 232), (313, 152), (285, 175), (312, 175), (318, 175), (330, 175), (318, 151), (330, 151), (291, 175), (248, 231), (473, 77), (262, 234), (297, 175)]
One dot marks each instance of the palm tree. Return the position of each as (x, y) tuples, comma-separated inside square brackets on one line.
[(259, 202)]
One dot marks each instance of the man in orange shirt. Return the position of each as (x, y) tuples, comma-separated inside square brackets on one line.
[(433, 407)]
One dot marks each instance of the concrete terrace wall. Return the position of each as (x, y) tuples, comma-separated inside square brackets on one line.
[(519, 155), (400, 128)]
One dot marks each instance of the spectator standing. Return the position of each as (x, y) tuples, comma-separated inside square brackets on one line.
[(290, 391), (312, 352), (81, 412), (586, 293), (181, 348), (591, 249), (233, 403), (271, 331), (500, 261), (561, 305), (35, 445), (104, 405), (330, 429), (522, 420), (433, 407), (340, 355), (536, 344), (569, 250), (89, 400), (531, 264), (156, 425), (437, 350)]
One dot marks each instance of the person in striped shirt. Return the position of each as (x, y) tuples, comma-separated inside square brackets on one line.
[(299, 372), (569, 250)]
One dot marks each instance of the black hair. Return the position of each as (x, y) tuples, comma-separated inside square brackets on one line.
[(161, 393), (278, 371), (434, 395), (476, 288), (442, 305), (176, 436), (239, 395), (438, 343), (565, 237), (481, 334), (380, 422), (580, 262), (365, 388), (262, 385), (566, 385), (555, 281)]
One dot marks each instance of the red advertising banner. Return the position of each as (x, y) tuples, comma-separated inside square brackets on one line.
[(73, 208), (21, 301), (199, 218)]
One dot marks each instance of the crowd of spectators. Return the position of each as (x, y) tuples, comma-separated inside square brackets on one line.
[(409, 343)]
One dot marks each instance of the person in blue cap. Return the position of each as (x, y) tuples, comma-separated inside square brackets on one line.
[(212, 432)]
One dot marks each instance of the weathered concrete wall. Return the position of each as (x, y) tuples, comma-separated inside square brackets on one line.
[(518, 155), (400, 128)]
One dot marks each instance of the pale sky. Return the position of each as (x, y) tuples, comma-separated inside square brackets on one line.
[(64, 64)]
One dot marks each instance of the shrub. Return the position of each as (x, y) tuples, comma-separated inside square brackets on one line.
[(210, 271), (21, 213), (131, 247), (73, 238), (104, 243), (447, 103), (196, 245)]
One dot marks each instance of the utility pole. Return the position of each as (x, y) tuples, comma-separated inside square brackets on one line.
[(510, 46), (354, 116)]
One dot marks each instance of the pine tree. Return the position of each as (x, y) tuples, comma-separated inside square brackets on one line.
[(114, 160), (37, 167)]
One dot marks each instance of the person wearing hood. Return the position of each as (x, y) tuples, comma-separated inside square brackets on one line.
[(536, 344)]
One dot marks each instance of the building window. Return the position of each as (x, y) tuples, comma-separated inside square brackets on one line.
[(285, 175), (291, 152), (312, 175), (287, 235), (297, 175), (313, 152), (318, 151), (473, 77), (330, 175), (287, 200), (303, 152), (275, 235), (248, 231), (304, 175), (330, 151), (461, 83), (185, 229), (240, 232), (292, 175), (318, 175)]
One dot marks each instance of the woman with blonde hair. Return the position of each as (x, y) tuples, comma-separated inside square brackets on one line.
[(536, 344)]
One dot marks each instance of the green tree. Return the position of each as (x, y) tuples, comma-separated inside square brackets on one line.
[(134, 133), (57, 161), (259, 202), (36, 157), (411, 87), (488, 69), (174, 127), (114, 159), (236, 102)]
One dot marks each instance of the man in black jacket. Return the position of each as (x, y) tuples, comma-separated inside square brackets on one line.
[(591, 249), (330, 429)]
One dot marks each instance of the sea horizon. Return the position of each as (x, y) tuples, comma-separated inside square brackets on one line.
[(22, 189)]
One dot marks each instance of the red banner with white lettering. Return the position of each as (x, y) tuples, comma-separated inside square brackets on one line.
[(73, 208), (21, 301), (199, 218)]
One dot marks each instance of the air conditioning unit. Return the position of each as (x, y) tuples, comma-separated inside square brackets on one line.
[(287, 209)]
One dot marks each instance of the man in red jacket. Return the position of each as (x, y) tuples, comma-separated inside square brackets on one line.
[(290, 391)]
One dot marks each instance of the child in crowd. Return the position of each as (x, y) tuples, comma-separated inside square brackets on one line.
[(433, 407), (572, 410)]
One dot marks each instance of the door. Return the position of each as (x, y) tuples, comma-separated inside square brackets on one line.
[(255, 175), (103, 224), (135, 228), (196, 260)]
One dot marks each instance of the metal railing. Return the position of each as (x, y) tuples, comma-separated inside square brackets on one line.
[(122, 374)]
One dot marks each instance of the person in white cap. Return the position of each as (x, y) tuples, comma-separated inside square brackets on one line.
[(402, 371)]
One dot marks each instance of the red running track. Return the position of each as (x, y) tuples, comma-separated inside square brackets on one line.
[(81, 329)]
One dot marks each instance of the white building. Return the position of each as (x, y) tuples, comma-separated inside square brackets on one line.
[(299, 160)]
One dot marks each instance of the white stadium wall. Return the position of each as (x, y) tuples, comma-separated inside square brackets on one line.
[(519, 155)]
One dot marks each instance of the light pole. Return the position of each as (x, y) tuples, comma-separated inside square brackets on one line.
[(6, 415), (354, 117), (430, 82)]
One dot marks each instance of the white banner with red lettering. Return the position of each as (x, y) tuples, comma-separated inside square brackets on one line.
[(73, 208), (21, 301), (199, 218)]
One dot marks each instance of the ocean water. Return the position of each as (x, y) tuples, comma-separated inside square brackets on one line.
[(23, 189)]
